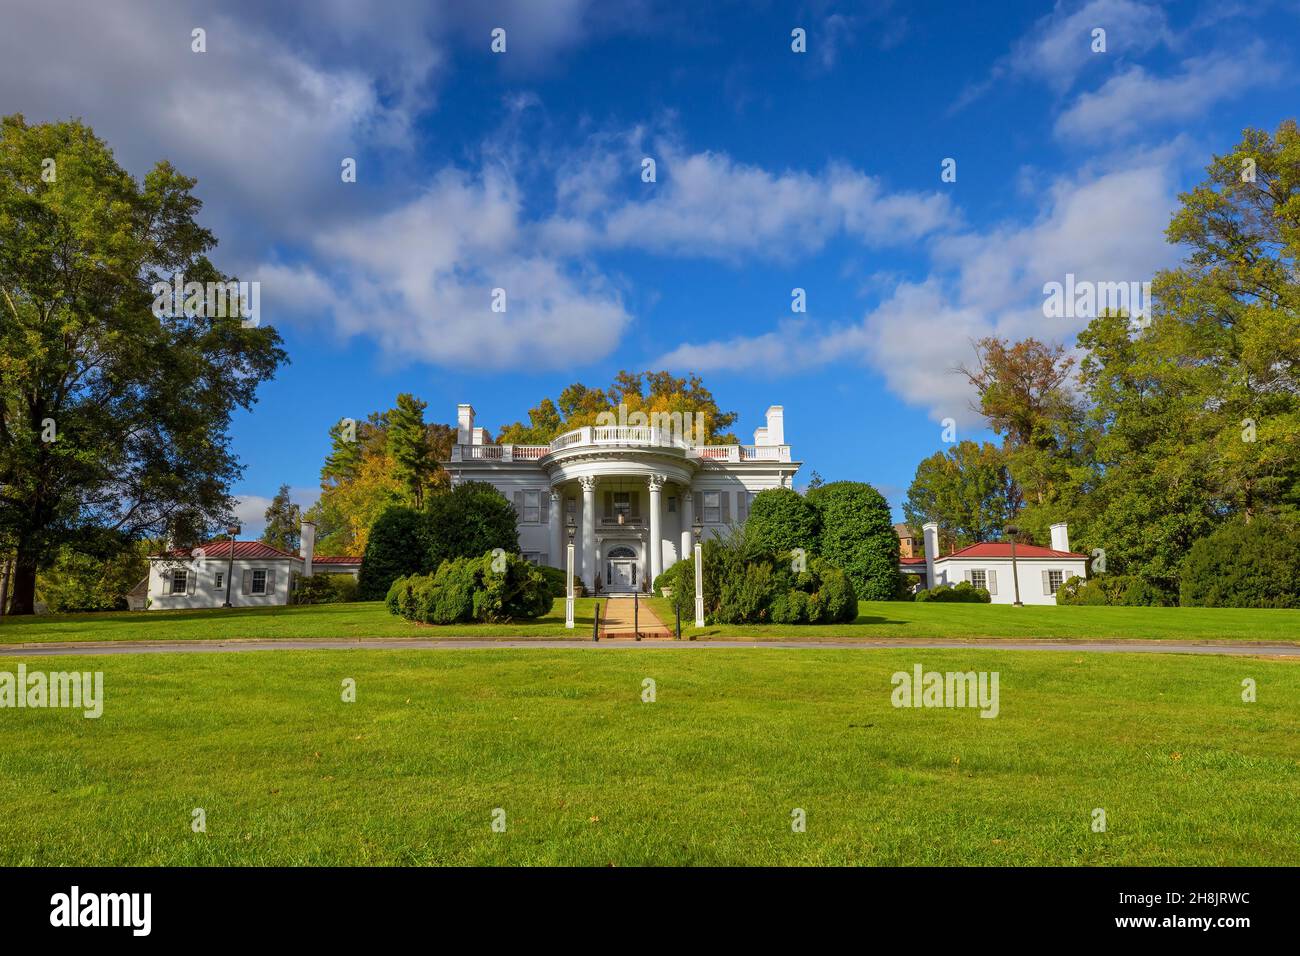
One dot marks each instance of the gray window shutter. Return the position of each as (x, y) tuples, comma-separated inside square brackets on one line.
[(545, 497), (1047, 584), (519, 505), (993, 582), (190, 578), (270, 582), (544, 559), (609, 504), (966, 576), (247, 587), (745, 499), (634, 504), (724, 499)]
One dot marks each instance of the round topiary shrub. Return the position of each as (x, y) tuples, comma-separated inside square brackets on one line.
[(493, 588), (835, 593), (398, 545), (469, 520), (1244, 565), (857, 536), (781, 519)]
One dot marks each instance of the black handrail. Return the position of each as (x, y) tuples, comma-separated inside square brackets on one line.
[(595, 622)]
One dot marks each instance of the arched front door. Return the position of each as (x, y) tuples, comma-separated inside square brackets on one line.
[(620, 569)]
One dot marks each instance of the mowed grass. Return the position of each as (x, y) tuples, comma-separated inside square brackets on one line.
[(876, 620), (908, 619), (589, 774), (360, 620)]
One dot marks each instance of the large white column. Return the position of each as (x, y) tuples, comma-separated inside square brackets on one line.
[(557, 529), (656, 484), (688, 519), (589, 533)]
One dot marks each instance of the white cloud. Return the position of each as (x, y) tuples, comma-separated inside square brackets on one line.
[(1101, 226), (420, 279), (250, 510), (1136, 99), (1059, 45), (706, 204)]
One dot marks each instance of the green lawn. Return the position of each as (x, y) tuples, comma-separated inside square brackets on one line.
[(707, 774), (877, 619), (368, 619), (906, 619)]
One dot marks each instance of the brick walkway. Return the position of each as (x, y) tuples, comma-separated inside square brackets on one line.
[(616, 620)]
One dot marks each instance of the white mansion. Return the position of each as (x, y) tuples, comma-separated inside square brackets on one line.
[(631, 493)]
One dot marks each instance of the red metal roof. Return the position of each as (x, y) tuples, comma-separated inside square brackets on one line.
[(243, 549), (911, 560), (1002, 549), (255, 550)]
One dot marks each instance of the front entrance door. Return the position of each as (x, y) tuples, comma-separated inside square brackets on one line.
[(622, 577), (620, 569)]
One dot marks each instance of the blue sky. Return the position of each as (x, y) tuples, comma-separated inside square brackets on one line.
[(775, 170)]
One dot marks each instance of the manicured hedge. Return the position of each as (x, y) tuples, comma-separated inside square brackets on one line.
[(781, 519), (748, 586), (469, 520), (398, 545), (857, 535), (962, 593), (1244, 565), (1111, 589), (493, 588), (325, 589)]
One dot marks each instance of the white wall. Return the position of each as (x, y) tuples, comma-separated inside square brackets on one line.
[(1031, 571), (205, 594)]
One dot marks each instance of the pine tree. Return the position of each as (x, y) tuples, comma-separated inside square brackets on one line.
[(283, 519), (414, 464)]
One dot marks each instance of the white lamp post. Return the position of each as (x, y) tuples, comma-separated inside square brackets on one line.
[(568, 581), (697, 528)]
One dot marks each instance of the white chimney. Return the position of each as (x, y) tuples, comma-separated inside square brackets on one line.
[(464, 424), (930, 532), (307, 546), (775, 425), (479, 436), (760, 436), (1061, 536)]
